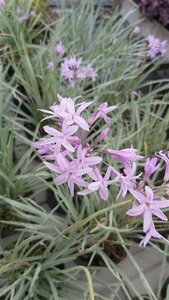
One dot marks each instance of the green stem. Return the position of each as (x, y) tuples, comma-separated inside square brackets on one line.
[(96, 214), (88, 276), (14, 262)]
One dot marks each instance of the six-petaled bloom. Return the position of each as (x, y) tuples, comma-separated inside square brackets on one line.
[(146, 206), (100, 183)]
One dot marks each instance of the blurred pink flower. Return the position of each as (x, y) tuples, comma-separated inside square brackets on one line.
[(25, 16), (155, 46), (50, 65), (2, 2), (136, 30), (72, 70), (87, 72), (60, 49)]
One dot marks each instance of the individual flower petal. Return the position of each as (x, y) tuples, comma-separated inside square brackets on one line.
[(60, 179), (85, 192), (149, 193), (136, 211), (139, 196), (94, 186), (82, 123), (147, 219), (103, 192), (158, 213), (165, 157)]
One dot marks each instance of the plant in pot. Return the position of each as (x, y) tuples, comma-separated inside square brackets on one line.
[(41, 263), (82, 159)]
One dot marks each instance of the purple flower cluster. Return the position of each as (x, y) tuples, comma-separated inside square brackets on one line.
[(67, 152), (158, 9), (22, 16), (155, 46), (72, 70)]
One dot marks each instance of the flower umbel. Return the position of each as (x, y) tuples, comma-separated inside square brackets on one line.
[(79, 160), (72, 70), (155, 47)]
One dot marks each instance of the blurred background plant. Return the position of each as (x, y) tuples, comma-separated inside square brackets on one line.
[(159, 10), (19, 177)]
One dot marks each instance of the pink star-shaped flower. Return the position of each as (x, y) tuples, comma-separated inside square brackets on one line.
[(152, 232), (63, 138), (68, 173), (147, 207), (100, 184), (102, 112)]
